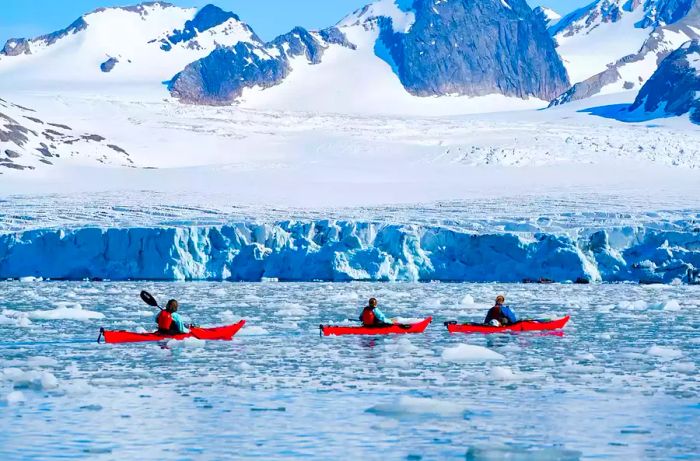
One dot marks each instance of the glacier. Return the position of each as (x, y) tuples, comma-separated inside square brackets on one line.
[(330, 250)]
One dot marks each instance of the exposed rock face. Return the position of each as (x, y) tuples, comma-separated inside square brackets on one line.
[(222, 76), (452, 49), (674, 89), (670, 23), (207, 18), (109, 64)]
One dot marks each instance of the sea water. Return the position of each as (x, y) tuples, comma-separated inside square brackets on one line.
[(620, 382)]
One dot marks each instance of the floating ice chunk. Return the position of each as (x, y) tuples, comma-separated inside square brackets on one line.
[(586, 356), (15, 397), (64, 312), (48, 381), (665, 353), (467, 299), (470, 353), (30, 279), (14, 318), (41, 361), (291, 310), (29, 379), (253, 331), (672, 306), (683, 367), (503, 374), (418, 406), (633, 305), (227, 316), (402, 346), (189, 343)]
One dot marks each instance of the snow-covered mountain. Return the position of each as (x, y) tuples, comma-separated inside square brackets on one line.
[(27, 142), (674, 89), (386, 57), (434, 48), (613, 46), (146, 43)]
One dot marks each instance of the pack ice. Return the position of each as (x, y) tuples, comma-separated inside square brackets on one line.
[(349, 250)]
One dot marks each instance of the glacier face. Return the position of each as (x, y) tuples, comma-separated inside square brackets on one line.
[(346, 250)]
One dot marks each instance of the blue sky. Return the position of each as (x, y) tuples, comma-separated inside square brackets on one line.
[(269, 18)]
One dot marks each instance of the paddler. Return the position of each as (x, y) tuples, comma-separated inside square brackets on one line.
[(169, 321), (500, 314), (372, 316)]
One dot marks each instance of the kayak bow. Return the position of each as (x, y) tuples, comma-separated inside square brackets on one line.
[(336, 330), (224, 333), (523, 325)]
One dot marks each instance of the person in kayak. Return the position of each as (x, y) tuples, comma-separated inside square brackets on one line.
[(500, 314), (169, 321), (372, 316)]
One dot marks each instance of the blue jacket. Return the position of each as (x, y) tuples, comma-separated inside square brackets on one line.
[(500, 311)]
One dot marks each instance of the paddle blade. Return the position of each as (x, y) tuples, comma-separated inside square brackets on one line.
[(149, 299)]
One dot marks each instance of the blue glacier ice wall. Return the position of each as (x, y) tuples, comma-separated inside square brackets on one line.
[(342, 251)]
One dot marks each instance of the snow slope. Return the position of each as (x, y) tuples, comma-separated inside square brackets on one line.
[(130, 52), (659, 99), (359, 82), (28, 142), (138, 41), (614, 46)]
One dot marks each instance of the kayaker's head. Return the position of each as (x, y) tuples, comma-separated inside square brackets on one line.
[(372, 302), (500, 299), (171, 306)]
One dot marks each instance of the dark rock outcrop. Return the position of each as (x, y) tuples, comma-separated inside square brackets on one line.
[(674, 89), (109, 64), (221, 77), (475, 48), (207, 18)]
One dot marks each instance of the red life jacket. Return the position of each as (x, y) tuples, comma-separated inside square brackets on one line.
[(165, 320), (368, 318)]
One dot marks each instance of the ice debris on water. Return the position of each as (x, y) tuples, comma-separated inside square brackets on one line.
[(664, 352), (406, 405), (470, 353)]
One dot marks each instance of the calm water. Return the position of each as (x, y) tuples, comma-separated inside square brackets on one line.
[(621, 383)]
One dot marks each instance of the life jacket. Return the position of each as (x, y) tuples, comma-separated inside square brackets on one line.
[(368, 318), (165, 321)]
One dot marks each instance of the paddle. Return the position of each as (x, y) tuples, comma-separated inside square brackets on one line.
[(149, 299)]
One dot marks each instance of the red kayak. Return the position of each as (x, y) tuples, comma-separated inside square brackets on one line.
[(328, 330), (218, 333), (523, 325)]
